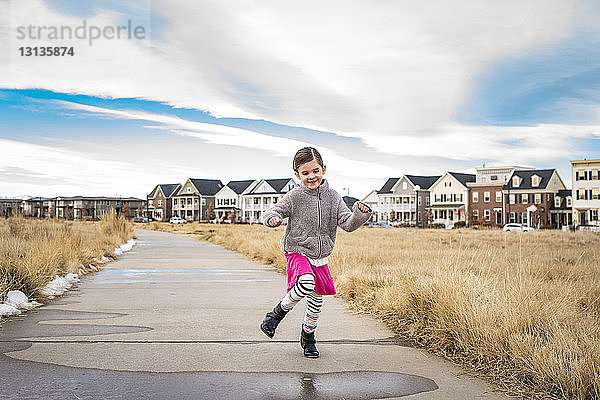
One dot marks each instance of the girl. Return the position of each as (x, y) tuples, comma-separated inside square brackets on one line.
[(314, 211)]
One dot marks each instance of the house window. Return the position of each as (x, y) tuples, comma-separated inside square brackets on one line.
[(189, 201), (275, 199), (483, 179), (160, 203), (557, 202), (427, 200), (151, 202), (486, 197), (593, 215), (404, 185), (475, 214), (523, 217), (538, 198), (535, 181), (486, 214), (498, 197), (569, 201), (555, 181), (494, 177), (516, 181), (419, 201), (511, 217), (595, 176), (189, 190), (524, 198), (203, 201), (511, 199), (594, 193), (475, 197), (256, 201)]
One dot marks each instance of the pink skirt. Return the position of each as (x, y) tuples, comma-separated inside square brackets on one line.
[(298, 265)]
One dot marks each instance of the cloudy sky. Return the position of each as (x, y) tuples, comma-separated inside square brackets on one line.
[(230, 90)]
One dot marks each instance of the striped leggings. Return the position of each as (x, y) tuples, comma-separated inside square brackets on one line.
[(305, 287)]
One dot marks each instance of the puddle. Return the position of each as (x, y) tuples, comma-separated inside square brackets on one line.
[(124, 276), (35, 380)]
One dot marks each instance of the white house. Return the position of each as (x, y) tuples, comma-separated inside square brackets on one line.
[(449, 198), (262, 195), (586, 191), (228, 200)]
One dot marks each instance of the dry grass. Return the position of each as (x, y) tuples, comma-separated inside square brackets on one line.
[(520, 309), (33, 252)]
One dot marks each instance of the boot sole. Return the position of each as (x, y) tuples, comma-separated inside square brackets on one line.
[(266, 333)]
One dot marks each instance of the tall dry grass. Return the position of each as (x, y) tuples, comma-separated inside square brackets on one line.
[(33, 252), (520, 309)]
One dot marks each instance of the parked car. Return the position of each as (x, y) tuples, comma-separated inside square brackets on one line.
[(177, 220), (379, 224), (140, 219), (517, 228)]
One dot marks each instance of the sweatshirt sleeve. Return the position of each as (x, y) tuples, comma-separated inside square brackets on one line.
[(283, 209), (351, 220)]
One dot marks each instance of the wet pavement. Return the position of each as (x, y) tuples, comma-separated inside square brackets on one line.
[(178, 318)]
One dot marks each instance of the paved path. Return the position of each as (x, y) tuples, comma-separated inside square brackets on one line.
[(179, 318)]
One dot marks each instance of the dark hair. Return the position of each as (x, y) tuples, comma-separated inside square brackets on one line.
[(305, 155)]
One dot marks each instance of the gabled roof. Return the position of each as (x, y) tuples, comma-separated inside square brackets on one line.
[(388, 185), (239, 186), (168, 189), (207, 187), (564, 193), (424, 182), (463, 178), (278, 184), (526, 175)]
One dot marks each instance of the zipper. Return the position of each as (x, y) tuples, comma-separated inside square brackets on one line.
[(318, 223)]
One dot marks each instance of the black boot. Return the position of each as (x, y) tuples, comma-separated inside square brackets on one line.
[(272, 319), (307, 341)]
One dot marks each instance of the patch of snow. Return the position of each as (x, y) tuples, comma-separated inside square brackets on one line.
[(6, 310), (124, 247), (16, 299)]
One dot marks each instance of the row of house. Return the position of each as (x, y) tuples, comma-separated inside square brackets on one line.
[(208, 199), (493, 196), (78, 207)]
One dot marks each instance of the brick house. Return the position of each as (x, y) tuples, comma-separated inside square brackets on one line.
[(160, 201), (529, 195), (486, 201)]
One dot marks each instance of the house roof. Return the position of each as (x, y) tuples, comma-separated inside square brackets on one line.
[(526, 175), (564, 193), (463, 178), (207, 187), (277, 184), (424, 182), (388, 185), (239, 186), (168, 189)]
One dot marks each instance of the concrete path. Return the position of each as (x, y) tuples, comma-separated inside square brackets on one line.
[(179, 318)]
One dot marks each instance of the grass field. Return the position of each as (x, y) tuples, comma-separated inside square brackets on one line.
[(33, 252), (521, 309)]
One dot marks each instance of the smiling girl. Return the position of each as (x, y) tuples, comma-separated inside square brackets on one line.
[(314, 212)]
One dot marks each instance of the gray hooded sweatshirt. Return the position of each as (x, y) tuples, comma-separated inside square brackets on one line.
[(314, 215)]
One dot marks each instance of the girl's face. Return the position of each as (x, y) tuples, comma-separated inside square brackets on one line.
[(310, 174)]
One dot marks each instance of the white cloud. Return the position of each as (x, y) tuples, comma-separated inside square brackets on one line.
[(345, 67)]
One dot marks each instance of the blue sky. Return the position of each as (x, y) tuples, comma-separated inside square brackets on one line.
[(227, 92)]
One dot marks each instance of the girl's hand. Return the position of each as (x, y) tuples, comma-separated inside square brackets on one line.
[(362, 207), (274, 221)]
